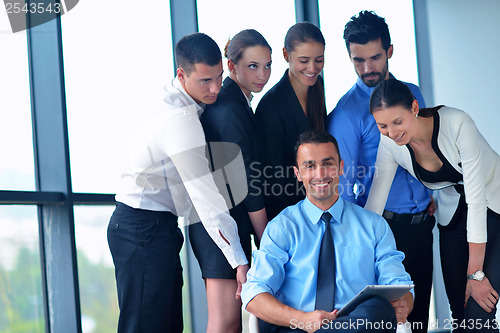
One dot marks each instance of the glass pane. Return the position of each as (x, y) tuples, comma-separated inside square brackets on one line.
[(16, 151), (99, 301), (339, 71), (260, 15), (21, 297), (117, 61)]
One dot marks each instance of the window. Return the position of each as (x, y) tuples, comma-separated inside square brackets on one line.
[(117, 61), (16, 150), (96, 274), (21, 297)]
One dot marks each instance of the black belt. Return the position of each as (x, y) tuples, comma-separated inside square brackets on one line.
[(406, 218)]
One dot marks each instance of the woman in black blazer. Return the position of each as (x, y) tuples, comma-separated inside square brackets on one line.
[(295, 104), (231, 120)]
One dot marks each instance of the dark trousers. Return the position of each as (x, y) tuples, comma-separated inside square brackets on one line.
[(415, 241), (145, 246), (375, 314), (454, 260)]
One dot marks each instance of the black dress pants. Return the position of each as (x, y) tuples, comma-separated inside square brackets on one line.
[(454, 260), (145, 246), (415, 241)]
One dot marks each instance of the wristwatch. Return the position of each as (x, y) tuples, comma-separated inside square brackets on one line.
[(478, 276)]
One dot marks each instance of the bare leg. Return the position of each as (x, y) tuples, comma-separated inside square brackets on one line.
[(224, 311)]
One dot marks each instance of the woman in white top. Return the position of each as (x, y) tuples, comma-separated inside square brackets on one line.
[(442, 148)]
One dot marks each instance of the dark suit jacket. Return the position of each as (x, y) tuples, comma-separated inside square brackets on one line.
[(282, 120), (230, 119)]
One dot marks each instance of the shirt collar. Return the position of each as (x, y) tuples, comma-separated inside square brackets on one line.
[(314, 213), (199, 107), (249, 99), (368, 90)]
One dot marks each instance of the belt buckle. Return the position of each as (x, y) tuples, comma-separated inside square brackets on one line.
[(417, 219)]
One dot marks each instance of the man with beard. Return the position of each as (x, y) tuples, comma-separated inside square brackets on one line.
[(409, 207)]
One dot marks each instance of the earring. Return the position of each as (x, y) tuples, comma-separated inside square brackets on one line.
[(416, 115)]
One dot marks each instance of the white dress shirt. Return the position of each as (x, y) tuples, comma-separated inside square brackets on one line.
[(168, 171)]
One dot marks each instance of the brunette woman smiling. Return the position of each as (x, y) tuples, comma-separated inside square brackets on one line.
[(294, 105), (442, 148)]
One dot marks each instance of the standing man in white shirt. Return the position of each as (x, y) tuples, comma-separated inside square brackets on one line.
[(168, 176)]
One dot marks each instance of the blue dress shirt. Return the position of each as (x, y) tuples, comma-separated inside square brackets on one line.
[(358, 136), (286, 264)]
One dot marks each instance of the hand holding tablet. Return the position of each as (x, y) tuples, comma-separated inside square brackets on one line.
[(389, 292)]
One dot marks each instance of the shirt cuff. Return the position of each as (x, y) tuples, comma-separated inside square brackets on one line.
[(250, 290), (235, 255)]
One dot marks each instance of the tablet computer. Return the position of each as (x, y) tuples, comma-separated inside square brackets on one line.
[(389, 292)]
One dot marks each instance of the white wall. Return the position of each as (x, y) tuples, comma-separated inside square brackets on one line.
[(464, 53), (457, 49)]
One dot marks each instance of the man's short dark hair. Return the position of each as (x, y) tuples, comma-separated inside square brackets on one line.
[(315, 136), (366, 27), (196, 48)]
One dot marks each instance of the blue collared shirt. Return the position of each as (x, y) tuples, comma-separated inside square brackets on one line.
[(286, 264), (358, 136)]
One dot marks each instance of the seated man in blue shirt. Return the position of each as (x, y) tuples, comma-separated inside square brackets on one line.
[(408, 210), (283, 285)]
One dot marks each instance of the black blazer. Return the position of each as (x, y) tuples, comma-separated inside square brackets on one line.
[(282, 120), (230, 119)]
